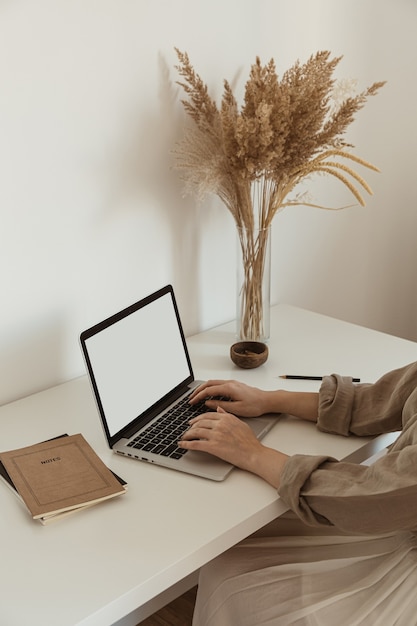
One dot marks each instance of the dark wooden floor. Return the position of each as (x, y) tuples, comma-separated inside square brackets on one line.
[(177, 613)]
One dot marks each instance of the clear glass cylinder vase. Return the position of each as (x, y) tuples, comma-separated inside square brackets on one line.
[(253, 284)]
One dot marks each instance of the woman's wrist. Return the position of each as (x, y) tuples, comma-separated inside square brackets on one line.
[(275, 401), (302, 404), (269, 464)]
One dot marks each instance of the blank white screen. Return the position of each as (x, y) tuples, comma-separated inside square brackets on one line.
[(137, 360)]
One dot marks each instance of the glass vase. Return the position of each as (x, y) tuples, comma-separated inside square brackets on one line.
[(253, 284)]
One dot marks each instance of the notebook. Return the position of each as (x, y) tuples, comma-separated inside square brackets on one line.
[(140, 371)]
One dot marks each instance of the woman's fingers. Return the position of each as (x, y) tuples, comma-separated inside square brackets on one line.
[(210, 388)]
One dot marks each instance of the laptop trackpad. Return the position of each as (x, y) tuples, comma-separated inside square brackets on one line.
[(260, 425)]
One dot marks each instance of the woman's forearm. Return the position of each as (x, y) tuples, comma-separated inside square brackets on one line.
[(269, 465), (302, 404)]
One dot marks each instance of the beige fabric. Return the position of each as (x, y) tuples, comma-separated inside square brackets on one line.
[(347, 554), (291, 574), (356, 498)]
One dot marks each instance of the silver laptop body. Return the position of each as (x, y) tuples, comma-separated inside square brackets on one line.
[(139, 368)]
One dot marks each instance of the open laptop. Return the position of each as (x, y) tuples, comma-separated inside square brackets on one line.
[(139, 368)]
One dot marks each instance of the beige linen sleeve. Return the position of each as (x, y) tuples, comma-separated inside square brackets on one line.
[(357, 498), (366, 409)]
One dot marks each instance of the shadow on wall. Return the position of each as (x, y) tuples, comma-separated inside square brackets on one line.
[(181, 212), (141, 181), (30, 358)]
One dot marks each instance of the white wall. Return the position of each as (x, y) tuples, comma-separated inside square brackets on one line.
[(92, 217)]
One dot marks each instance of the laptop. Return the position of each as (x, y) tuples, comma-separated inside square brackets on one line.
[(140, 371)]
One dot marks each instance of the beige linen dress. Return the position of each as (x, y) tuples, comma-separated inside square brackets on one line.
[(346, 554)]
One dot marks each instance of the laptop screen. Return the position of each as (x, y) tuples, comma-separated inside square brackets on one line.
[(136, 358)]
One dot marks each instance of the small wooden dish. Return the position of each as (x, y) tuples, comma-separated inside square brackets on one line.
[(249, 354)]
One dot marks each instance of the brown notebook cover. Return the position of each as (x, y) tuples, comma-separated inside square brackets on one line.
[(60, 475)]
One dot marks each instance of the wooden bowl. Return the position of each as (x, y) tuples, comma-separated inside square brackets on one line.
[(249, 354)]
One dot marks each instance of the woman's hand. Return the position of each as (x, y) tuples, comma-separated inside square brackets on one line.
[(246, 401), (243, 400), (223, 435), (230, 439)]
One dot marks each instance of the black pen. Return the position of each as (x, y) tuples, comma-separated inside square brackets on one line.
[(298, 377)]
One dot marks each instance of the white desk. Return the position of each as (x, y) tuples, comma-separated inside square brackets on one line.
[(117, 562)]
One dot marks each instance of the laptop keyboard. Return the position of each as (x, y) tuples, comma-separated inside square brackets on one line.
[(162, 436)]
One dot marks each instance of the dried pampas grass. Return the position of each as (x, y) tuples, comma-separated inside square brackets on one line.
[(254, 156)]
